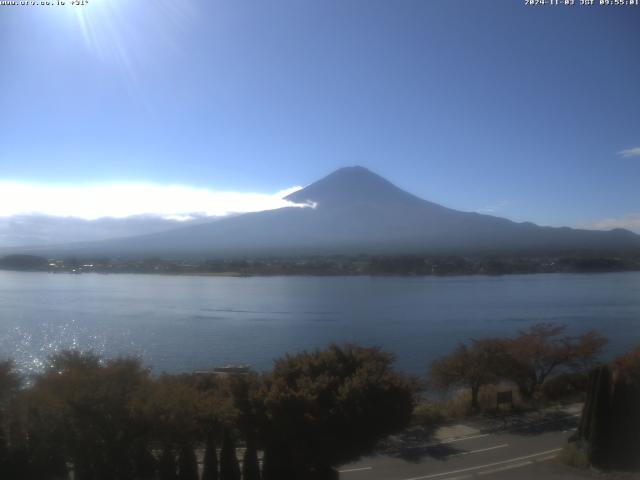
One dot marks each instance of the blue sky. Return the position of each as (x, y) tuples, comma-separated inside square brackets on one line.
[(494, 106)]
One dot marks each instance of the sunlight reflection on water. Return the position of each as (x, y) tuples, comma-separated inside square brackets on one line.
[(180, 323)]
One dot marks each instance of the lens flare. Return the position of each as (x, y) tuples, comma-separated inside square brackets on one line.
[(126, 33)]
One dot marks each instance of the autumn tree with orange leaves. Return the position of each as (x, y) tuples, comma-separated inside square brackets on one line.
[(543, 350)]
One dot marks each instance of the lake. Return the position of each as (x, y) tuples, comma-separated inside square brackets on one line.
[(183, 323)]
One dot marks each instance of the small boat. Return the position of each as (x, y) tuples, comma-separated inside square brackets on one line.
[(232, 370)]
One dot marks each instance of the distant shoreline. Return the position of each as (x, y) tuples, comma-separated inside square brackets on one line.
[(328, 266), (310, 274)]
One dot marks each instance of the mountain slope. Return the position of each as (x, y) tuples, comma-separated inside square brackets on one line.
[(43, 230), (356, 211)]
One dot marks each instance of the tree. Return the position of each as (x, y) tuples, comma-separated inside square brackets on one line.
[(609, 429), (543, 349), (186, 410), (187, 463), (9, 385), (597, 426), (4, 454), (469, 366), (250, 466), (625, 411), (275, 465), (329, 407), (14, 460), (627, 367), (46, 444), (144, 463), (23, 262), (172, 405), (210, 467), (81, 406), (229, 468), (244, 392), (9, 382), (167, 468)]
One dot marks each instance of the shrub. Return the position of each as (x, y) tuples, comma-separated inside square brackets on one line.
[(428, 414), (574, 457), (566, 386), (329, 407)]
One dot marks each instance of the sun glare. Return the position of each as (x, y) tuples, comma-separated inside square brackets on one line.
[(106, 30), (121, 33)]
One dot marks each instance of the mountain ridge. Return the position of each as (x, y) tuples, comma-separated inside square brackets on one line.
[(355, 211)]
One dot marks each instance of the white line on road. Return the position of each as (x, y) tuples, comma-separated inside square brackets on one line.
[(460, 439), (480, 450), (478, 467), (544, 459), (455, 440), (360, 469), (506, 467)]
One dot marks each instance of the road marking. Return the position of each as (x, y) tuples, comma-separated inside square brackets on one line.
[(461, 439), (360, 469), (507, 467), (455, 440), (479, 450), (544, 459), (479, 467)]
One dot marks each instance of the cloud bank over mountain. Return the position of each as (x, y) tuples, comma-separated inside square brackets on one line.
[(38, 230), (630, 222), (36, 215), (90, 202)]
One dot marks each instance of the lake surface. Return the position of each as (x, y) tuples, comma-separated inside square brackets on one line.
[(181, 323)]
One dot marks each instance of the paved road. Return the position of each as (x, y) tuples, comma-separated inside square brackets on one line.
[(518, 447)]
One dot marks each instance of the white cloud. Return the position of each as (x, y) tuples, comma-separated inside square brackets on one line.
[(630, 152), (630, 222), (493, 208), (124, 200)]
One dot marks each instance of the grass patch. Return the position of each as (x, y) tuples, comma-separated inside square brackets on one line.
[(459, 405), (428, 414)]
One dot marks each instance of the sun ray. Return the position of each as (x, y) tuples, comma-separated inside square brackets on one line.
[(122, 33)]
